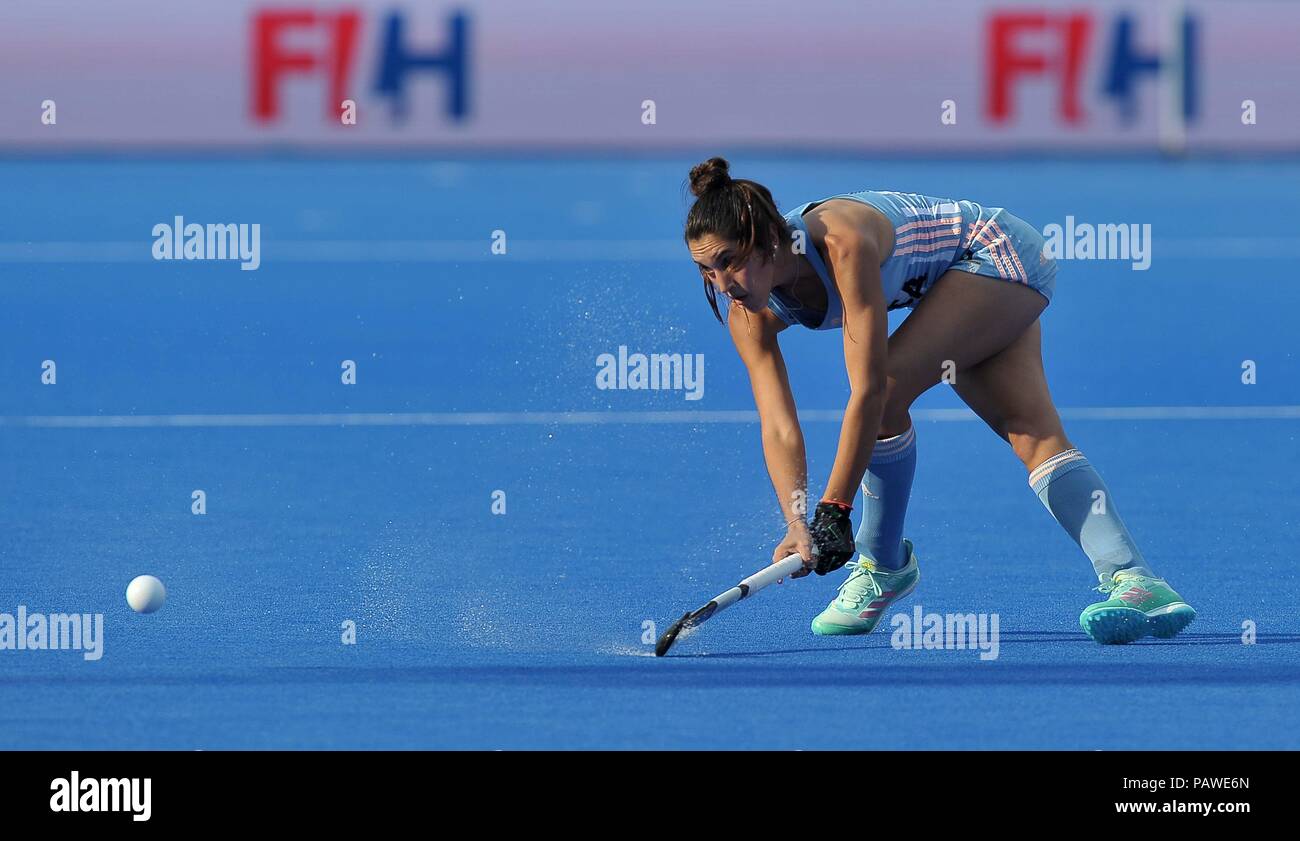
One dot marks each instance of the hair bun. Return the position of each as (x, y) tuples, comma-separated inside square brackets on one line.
[(709, 175)]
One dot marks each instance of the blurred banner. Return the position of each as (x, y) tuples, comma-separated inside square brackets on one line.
[(895, 75)]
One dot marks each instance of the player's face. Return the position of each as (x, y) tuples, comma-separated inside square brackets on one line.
[(748, 282)]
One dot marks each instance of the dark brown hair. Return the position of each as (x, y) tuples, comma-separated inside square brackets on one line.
[(736, 210)]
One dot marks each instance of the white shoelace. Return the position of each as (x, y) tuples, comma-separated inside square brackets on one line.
[(858, 592)]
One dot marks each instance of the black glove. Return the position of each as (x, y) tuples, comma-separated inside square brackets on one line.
[(832, 537)]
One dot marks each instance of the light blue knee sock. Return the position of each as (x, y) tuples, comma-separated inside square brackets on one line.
[(885, 491), (1079, 500)]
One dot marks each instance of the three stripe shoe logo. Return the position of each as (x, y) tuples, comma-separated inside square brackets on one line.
[(872, 609), (1135, 596)]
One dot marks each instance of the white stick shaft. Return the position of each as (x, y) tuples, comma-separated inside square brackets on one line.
[(773, 572), (767, 575)]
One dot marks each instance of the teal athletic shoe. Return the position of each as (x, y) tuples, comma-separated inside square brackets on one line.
[(865, 595), (1138, 606)]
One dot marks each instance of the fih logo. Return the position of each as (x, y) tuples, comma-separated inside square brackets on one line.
[(325, 45), (1065, 49)]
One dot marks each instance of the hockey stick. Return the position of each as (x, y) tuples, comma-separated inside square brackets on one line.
[(748, 587)]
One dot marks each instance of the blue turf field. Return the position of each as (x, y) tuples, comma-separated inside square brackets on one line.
[(524, 630)]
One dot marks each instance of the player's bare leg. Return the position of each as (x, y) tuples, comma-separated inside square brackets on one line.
[(1009, 391), (962, 320)]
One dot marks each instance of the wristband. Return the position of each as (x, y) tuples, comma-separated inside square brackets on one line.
[(841, 503)]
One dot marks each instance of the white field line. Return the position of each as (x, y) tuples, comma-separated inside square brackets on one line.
[(1115, 413), (600, 251), (367, 251)]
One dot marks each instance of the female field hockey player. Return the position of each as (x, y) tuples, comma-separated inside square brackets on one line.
[(976, 280)]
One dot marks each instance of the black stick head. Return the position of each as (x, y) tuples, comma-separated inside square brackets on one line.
[(670, 636)]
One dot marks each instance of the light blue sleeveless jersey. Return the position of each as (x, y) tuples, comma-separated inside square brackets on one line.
[(931, 236)]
